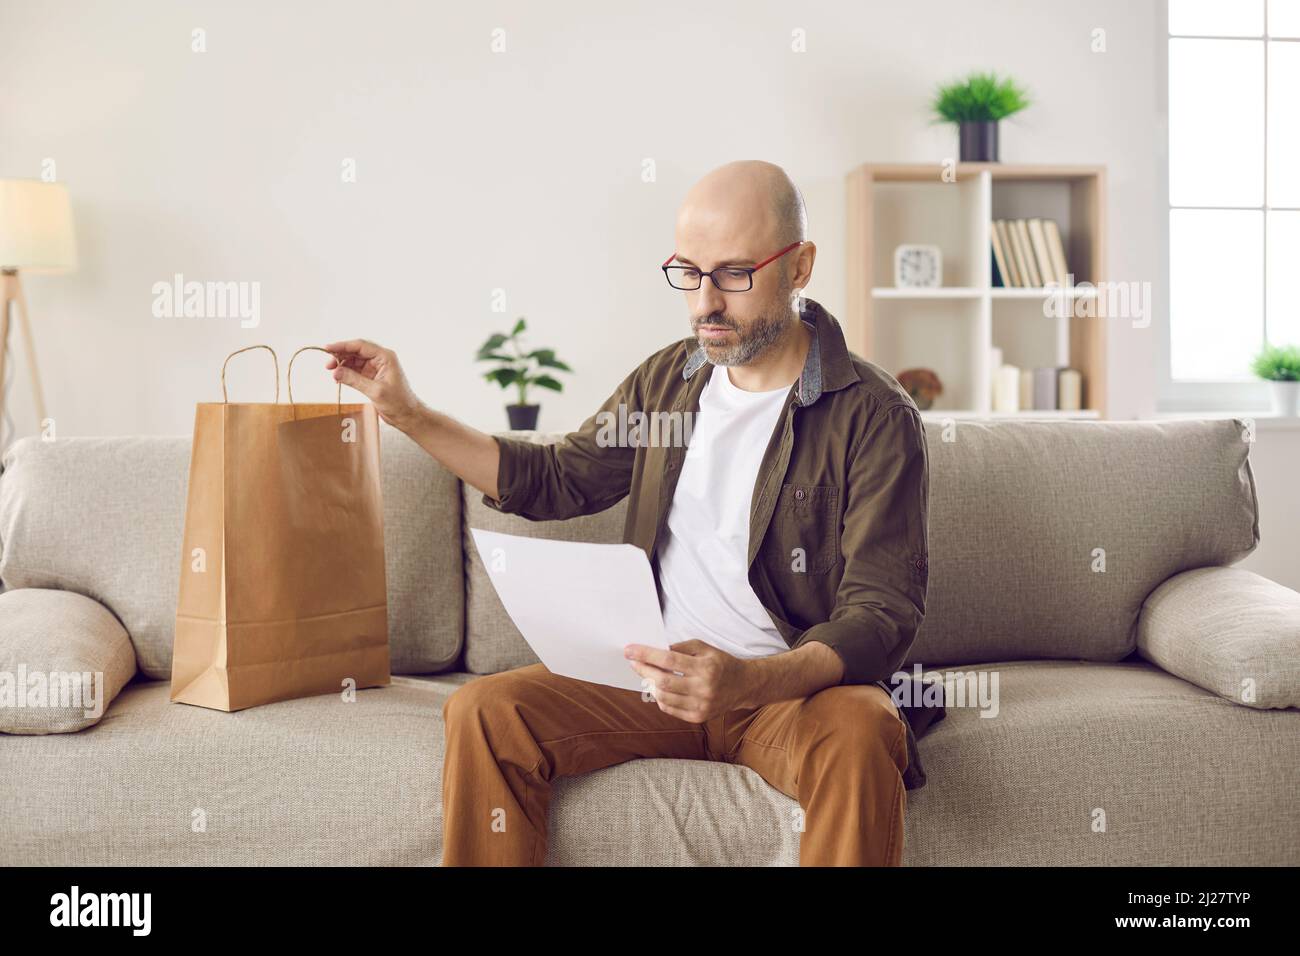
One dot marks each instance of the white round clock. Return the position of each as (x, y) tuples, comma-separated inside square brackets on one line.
[(918, 267)]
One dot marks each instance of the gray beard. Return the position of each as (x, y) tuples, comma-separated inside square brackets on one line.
[(769, 330)]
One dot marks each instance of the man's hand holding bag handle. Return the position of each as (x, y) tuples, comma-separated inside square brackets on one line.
[(282, 590), (374, 371)]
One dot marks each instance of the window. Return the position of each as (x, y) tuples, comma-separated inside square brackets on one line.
[(1234, 190)]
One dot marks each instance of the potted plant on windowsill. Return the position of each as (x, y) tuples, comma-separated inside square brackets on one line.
[(1280, 365), (977, 104), (520, 369)]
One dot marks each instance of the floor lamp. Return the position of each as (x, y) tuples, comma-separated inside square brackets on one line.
[(35, 236)]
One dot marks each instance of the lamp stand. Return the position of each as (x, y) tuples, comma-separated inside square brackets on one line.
[(11, 291)]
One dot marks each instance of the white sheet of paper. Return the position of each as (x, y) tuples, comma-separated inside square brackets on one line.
[(576, 604)]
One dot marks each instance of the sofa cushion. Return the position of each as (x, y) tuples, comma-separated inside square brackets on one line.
[(103, 517), (313, 781), (63, 658), (1044, 536), (1081, 764), (1180, 776), (425, 569), (1105, 765), (492, 642), (1228, 630)]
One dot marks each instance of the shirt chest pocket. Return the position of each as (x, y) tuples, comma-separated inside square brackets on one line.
[(807, 523)]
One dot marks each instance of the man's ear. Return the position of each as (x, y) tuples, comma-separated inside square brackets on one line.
[(803, 273)]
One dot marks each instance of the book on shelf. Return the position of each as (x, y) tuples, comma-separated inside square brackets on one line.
[(1008, 254), (1046, 267), (1057, 250), (1022, 266), (1001, 277), (1027, 253)]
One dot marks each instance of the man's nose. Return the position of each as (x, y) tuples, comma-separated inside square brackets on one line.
[(708, 299)]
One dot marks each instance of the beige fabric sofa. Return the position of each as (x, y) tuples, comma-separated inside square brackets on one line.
[(1046, 541)]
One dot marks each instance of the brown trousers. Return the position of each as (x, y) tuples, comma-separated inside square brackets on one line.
[(840, 752)]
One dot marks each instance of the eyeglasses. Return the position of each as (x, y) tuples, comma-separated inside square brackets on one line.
[(724, 278)]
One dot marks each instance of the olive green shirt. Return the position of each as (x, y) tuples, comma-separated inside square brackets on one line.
[(838, 518)]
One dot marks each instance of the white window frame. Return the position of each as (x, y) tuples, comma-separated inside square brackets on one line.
[(1202, 395)]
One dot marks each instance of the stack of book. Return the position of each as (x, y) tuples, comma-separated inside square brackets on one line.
[(1027, 253)]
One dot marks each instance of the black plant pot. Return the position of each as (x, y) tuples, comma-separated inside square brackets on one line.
[(523, 418), (979, 141)]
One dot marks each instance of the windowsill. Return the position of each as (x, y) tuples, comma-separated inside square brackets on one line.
[(1263, 420)]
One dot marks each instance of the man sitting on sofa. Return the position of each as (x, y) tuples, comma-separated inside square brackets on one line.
[(788, 541)]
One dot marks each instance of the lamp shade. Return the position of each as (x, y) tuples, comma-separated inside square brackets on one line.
[(36, 226)]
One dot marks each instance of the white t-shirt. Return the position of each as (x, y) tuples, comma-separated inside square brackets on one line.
[(703, 565)]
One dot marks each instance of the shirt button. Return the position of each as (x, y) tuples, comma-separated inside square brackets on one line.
[(799, 494)]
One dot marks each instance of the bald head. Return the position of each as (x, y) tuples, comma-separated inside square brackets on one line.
[(735, 221), (749, 200)]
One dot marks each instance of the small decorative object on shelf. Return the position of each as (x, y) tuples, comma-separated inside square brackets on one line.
[(521, 370), (918, 267), (922, 384), (1006, 389), (976, 104), (1280, 365), (1026, 400), (1069, 390)]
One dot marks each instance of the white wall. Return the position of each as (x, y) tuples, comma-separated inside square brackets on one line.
[(479, 171)]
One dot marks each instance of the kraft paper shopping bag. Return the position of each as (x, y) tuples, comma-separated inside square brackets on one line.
[(283, 589)]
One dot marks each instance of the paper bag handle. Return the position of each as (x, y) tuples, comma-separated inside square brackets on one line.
[(288, 375), (274, 358)]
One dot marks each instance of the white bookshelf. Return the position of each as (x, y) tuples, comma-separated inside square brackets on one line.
[(952, 328), (953, 292), (1002, 292)]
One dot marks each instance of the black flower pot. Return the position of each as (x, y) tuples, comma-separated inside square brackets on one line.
[(979, 141), (523, 418)]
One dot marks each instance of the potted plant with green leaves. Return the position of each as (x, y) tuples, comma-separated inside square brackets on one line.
[(520, 369), (977, 104), (1280, 365)]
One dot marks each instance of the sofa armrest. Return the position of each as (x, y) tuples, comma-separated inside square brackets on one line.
[(1229, 630)]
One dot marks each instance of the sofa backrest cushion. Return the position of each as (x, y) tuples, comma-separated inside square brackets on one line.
[(1045, 536), (103, 517), (492, 642)]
